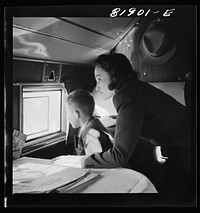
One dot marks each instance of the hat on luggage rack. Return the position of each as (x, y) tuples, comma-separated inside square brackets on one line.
[(155, 46)]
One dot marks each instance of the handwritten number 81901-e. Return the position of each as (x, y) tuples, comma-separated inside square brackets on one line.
[(116, 12)]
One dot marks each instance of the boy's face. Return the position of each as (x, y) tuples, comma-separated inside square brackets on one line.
[(72, 116)]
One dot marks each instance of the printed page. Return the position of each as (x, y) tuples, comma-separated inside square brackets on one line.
[(42, 178)]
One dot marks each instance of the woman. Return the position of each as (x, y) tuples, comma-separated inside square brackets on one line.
[(146, 111)]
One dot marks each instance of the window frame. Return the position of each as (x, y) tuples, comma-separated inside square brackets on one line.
[(51, 138)]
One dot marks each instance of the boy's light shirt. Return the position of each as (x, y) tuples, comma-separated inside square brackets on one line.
[(91, 141)]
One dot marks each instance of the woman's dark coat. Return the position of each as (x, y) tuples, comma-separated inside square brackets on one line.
[(146, 111)]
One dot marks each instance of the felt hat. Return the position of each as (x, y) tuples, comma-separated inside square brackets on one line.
[(154, 45)]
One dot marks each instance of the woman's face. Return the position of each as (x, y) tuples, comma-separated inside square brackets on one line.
[(103, 80)]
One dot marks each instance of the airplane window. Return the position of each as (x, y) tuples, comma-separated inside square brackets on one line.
[(41, 113)]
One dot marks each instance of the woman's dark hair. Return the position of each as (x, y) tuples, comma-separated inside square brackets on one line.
[(118, 67)]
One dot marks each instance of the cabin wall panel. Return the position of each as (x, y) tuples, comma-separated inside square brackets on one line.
[(181, 29), (181, 63), (27, 71), (50, 151)]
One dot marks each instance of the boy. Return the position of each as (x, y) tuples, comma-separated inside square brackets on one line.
[(93, 136)]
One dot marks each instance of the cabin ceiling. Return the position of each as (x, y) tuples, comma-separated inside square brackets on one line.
[(67, 39)]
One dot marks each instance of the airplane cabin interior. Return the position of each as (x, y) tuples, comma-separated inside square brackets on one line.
[(55, 52)]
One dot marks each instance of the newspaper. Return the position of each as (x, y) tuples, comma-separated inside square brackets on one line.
[(42, 178), (81, 184)]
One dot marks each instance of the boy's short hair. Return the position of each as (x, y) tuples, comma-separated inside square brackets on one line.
[(81, 100)]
